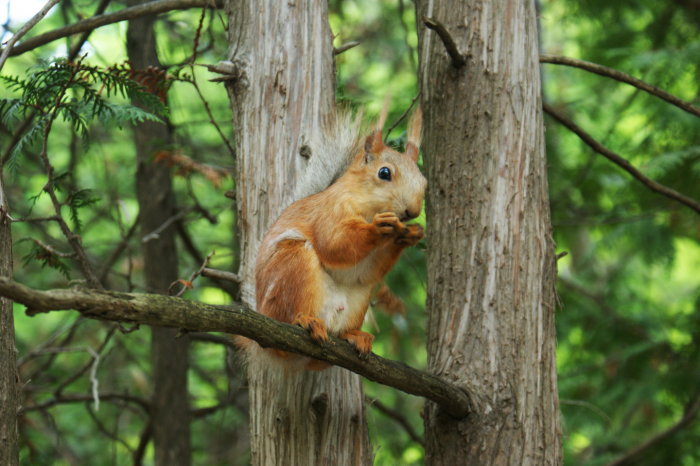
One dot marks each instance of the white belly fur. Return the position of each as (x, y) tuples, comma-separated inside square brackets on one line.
[(342, 305)]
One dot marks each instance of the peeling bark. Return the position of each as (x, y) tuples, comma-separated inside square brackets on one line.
[(491, 266), (286, 83)]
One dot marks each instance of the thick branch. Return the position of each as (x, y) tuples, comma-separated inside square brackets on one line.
[(152, 8), (630, 456), (458, 60), (622, 77), (165, 311), (623, 163)]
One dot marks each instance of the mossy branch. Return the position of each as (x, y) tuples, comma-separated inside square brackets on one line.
[(166, 311)]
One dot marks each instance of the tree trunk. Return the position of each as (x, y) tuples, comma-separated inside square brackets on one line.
[(170, 409), (283, 52), (491, 266), (9, 393)]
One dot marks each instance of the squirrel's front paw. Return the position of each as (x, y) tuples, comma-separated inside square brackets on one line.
[(316, 327), (362, 341), (388, 223), (412, 236)]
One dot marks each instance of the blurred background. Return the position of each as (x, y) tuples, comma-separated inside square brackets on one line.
[(628, 329)]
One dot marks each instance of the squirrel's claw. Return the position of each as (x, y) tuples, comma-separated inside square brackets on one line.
[(388, 223), (413, 234), (361, 341), (316, 327)]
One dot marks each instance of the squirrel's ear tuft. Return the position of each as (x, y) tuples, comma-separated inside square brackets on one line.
[(383, 114), (413, 133), (374, 143)]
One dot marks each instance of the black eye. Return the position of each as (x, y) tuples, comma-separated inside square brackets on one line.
[(384, 174)]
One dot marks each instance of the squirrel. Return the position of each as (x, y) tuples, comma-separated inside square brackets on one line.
[(318, 262)]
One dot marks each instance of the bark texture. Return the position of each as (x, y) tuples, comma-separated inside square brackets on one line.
[(170, 410), (284, 57), (9, 393), (491, 266)]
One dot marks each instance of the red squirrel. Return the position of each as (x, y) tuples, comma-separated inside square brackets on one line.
[(318, 263)]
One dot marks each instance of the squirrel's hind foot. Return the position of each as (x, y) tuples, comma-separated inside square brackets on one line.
[(361, 341), (316, 327)]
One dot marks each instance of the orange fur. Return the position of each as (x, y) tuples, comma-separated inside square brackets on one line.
[(318, 262)]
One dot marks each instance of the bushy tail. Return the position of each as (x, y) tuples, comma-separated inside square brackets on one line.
[(331, 152)]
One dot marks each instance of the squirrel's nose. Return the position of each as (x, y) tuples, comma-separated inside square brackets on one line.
[(409, 215)]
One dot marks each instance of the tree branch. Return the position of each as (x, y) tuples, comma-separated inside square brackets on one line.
[(165, 311), (82, 398), (617, 159), (7, 51), (631, 455), (152, 8), (398, 417), (344, 48), (458, 59), (622, 77)]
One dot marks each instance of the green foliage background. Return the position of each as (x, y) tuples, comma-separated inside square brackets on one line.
[(629, 331)]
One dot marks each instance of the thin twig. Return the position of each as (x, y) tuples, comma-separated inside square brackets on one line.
[(155, 234), (93, 372), (620, 161), (221, 275), (107, 266), (148, 9), (622, 77), (458, 60), (631, 455), (7, 51), (90, 365), (50, 250), (391, 128), (81, 398), (192, 277), (345, 47), (398, 417), (52, 218), (101, 427), (593, 408), (76, 47)]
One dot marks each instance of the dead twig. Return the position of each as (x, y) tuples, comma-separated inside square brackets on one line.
[(458, 60)]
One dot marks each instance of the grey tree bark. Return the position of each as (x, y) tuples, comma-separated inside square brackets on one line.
[(491, 265), (9, 391), (170, 410), (283, 55)]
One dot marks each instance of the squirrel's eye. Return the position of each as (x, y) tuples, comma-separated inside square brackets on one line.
[(384, 174)]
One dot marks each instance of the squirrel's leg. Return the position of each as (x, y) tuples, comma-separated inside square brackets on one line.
[(290, 289), (388, 253), (349, 242)]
